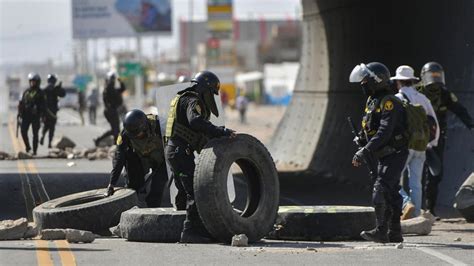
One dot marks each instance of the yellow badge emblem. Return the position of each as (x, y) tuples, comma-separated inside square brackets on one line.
[(119, 140), (198, 109), (388, 105)]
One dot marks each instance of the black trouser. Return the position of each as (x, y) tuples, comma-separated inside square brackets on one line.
[(182, 167), (92, 114), (49, 125), (136, 179), (386, 197), (112, 117), (431, 181), (26, 121)]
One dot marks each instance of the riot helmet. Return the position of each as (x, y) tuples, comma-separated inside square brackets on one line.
[(52, 78), (207, 85), (111, 76), (373, 77), (135, 123), (431, 73), (35, 79)]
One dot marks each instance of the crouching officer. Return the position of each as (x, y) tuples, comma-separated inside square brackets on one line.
[(383, 128), (52, 92), (139, 149), (443, 100), (30, 109), (188, 129)]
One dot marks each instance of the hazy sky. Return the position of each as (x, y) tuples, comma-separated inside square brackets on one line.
[(37, 30)]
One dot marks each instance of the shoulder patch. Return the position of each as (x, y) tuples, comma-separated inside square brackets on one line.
[(388, 105), (198, 109), (453, 97), (119, 140)]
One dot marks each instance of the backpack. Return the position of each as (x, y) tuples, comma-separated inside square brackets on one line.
[(418, 129)]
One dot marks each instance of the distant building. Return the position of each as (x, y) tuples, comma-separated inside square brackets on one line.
[(257, 42)]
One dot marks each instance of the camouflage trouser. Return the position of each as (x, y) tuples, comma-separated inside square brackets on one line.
[(136, 179), (182, 167)]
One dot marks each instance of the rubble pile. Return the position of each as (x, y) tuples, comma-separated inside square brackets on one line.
[(64, 148), (17, 229)]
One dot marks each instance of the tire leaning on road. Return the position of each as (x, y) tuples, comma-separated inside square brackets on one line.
[(88, 210), (316, 223), (210, 188)]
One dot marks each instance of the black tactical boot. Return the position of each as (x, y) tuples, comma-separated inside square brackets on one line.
[(192, 234), (395, 230), (395, 236), (189, 236), (375, 235), (379, 233)]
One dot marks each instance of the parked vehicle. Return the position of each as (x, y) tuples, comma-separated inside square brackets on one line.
[(71, 100)]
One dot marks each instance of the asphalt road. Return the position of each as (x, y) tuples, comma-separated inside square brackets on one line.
[(450, 243)]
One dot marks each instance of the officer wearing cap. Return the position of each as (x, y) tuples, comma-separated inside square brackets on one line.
[(30, 109), (443, 100), (112, 97), (383, 137), (188, 129), (139, 150), (52, 92)]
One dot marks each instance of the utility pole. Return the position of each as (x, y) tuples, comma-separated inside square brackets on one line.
[(190, 33)]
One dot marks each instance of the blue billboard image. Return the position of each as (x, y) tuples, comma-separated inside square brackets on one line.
[(146, 15)]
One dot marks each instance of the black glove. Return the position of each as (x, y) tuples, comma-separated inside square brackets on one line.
[(360, 156), (110, 190), (229, 132)]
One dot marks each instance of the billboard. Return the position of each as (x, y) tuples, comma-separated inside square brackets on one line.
[(120, 18)]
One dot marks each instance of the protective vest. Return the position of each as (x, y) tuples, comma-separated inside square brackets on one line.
[(174, 128), (371, 123), (152, 145), (30, 101)]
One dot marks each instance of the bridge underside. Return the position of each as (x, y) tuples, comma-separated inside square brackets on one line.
[(312, 144)]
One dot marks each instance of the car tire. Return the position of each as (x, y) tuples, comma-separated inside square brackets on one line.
[(89, 210), (210, 188)]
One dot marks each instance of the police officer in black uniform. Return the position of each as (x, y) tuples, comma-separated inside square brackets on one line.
[(188, 129), (30, 109), (112, 97), (51, 92), (443, 100), (383, 137), (140, 149)]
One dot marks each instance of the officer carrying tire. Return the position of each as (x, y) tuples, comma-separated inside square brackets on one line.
[(188, 129), (139, 150), (383, 137)]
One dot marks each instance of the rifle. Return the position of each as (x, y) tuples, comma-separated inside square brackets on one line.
[(369, 159)]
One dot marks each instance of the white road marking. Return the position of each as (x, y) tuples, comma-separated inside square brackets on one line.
[(441, 256)]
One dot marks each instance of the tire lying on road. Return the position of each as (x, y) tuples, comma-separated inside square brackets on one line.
[(89, 210), (464, 201), (210, 188), (152, 224), (316, 223)]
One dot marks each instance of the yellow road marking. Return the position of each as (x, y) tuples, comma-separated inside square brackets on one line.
[(65, 253), (42, 249), (42, 253)]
